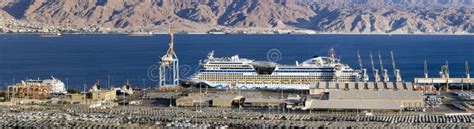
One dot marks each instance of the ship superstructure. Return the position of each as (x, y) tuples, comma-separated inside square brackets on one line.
[(236, 72)]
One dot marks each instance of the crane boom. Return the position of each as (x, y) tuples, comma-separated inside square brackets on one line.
[(380, 61), (384, 71), (365, 77), (359, 60), (393, 61), (375, 71), (396, 71)]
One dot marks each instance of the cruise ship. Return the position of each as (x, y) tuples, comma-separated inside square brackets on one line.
[(242, 73)]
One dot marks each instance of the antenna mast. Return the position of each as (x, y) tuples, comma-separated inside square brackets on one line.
[(376, 72), (385, 74), (332, 54), (447, 68), (396, 71), (426, 70), (468, 76)]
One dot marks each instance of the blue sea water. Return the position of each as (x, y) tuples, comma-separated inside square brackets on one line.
[(83, 59)]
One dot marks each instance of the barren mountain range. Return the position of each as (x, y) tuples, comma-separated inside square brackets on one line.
[(344, 16)]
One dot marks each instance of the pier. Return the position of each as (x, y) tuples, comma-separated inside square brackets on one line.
[(444, 78)]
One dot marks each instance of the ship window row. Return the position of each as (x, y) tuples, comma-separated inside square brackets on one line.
[(236, 76), (240, 75), (227, 63), (277, 81), (303, 68), (230, 66)]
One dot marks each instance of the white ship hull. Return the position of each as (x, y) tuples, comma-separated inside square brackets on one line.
[(236, 73), (259, 86)]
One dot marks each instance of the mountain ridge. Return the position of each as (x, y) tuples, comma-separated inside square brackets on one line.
[(338, 16)]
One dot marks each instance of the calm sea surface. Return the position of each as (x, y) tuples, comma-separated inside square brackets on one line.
[(86, 58)]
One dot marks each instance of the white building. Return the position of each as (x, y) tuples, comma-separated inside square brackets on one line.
[(55, 85)]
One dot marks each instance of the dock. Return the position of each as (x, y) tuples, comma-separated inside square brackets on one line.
[(444, 80)]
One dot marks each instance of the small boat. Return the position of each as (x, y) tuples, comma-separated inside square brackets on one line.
[(140, 34), (53, 35)]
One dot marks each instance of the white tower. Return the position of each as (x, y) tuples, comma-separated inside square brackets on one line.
[(169, 66)]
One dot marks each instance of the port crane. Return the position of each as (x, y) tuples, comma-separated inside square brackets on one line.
[(385, 73), (375, 71), (396, 71), (169, 65), (444, 73), (364, 71)]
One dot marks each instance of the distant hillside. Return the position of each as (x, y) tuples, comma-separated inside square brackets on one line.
[(359, 16)]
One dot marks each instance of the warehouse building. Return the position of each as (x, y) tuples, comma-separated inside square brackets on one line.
[(103, 95), (76, 98), (193, 100), (364, 96), (321, 87), (227, 101)]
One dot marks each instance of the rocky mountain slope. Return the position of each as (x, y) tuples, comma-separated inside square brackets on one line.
[(357, 16)]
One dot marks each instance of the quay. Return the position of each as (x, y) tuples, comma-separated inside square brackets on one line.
[(445, 82), (338, 105)]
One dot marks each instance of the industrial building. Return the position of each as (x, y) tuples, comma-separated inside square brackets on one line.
[(28, 92), (76, 98), (321, 87), (97, 94), (192, 100), (364, 96), (231, 100), (227, 100), (103, 95), (368, 100), (264, 102)]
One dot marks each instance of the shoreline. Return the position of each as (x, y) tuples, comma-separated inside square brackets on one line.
[(144, 35)]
